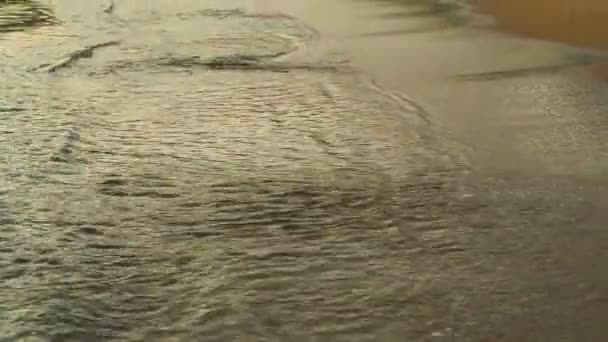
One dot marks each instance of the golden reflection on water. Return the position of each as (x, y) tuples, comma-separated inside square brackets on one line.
[(580, 22)]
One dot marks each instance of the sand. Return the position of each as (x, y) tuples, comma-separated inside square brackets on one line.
[(580, 22)]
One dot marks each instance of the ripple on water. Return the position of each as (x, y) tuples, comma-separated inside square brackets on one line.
[(224, 204), (19, 15)]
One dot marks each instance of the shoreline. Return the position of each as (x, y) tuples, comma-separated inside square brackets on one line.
[(529, 114)]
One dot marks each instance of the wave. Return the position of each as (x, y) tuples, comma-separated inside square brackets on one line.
[(19, 15)]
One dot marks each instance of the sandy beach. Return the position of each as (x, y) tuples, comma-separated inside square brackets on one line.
[(580, 22)]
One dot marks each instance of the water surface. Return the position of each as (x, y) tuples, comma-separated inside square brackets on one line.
[(195, 170), (260, 171)]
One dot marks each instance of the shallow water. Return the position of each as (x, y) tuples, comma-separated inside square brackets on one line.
[(532, 119), (221, 170), (188, 170)]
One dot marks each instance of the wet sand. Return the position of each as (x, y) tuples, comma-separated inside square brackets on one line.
[(581, 22)]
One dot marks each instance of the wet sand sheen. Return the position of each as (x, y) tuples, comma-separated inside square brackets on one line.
[(580, 22)]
